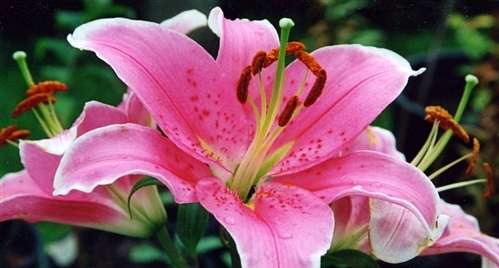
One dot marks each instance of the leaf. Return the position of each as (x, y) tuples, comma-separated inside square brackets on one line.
[(52, 232), (192, 220), (208, 244), (348, 258), (145, 253), (145, 182)]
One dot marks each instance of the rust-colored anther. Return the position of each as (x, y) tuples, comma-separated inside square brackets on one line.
[(491, 187), (19, 134), (293, 47), (31, 102), (288, 111), (309, 61), (6, 132), (446, 121), (243, 84), (316, 90), (272, 57), (258, 62), (475, 152), (46, 87)]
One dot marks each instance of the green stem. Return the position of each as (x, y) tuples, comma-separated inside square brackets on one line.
[(20, 58), (426, 145), (12, 143), (176, 259), (460, 185), (286, 25), (55, 117), (42, 123)]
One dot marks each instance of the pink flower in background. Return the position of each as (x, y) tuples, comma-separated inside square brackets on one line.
[(267, 182), (27, 194), (355, 229)]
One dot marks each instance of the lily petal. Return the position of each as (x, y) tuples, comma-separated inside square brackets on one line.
[(178, 82), (373, 139), (240, 40), (21, 198), (287, 226), (463, 235), (361, 82), (374, 175), (186, 22), (102, 156), (395, 233), (94, 115), (135, 110), (351, 218)]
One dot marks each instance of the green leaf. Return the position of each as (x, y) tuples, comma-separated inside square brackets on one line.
[(51, 232), (192, 220), (145, 253), (145, 182), (208, 244), (348, 259)]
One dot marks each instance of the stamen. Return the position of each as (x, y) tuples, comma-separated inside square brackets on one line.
[(446, 121), (446, 167), (471, 82), (31, 102), (272, 57), (459, 185), (474, 157), (5, 133), (19, 134), (309, 61), (424, 149), (243, 84), (293, 47), (11, 133), (489, 173), (317, 87), (46, 87), (257, 62), (288, 111)]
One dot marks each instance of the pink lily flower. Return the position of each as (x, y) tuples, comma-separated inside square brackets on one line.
[(27, 194), (218, 149), (355, 228)]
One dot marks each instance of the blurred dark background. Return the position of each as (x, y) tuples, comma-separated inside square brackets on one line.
[(449, 37)]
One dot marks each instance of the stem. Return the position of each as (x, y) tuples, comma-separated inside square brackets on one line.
[(286, 25), (451, 164), (176, 259), (55, 117), (422, 152), (42, 123), (12, 143), (460, 184), (20, 58)]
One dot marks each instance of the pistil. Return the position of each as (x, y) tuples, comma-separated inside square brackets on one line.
[(431, 155), (39, 98), (258, 160)]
